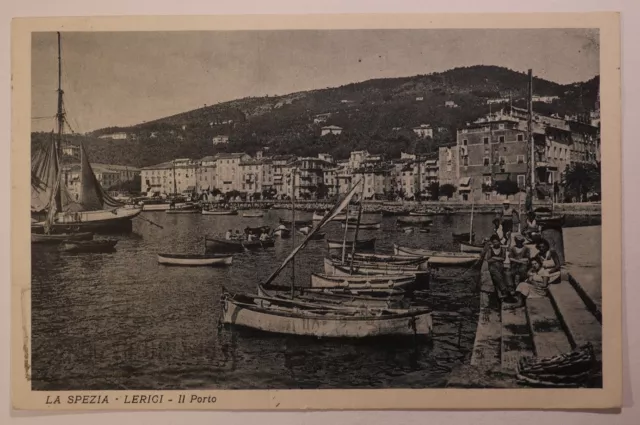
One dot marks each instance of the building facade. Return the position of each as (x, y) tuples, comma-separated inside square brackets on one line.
[(228, 174)]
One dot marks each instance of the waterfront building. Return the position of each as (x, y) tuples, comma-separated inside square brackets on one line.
[(206, 175), (310, 174), (257, 175), (377, 179), (228, 174), (331, 181)]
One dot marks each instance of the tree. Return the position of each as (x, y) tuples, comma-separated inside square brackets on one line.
[(447, 190), (434, 190), (506, 187), (581, 178)]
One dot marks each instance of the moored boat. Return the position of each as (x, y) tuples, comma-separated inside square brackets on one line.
[(440, 258), (363, 226), (388, 258), (277, 315), (361, 244), (102, 245), (462, 236), (469, 247), (283, 233), (252, 214), (43, 238), (230, 246), (195, 259), (338, 269), (185, 209), (372, 298), (360, 281), (219, 212)]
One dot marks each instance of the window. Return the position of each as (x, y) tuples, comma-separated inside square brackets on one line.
[(520, 137), (503, 160), (486, 160), (501, 139), (465, 161), (520, 159), (486, 140), (465, 142), (448, 167), (501, 126), (521, 180), (244, 186)]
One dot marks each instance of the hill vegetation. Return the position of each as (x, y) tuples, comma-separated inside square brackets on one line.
[(377, 115)]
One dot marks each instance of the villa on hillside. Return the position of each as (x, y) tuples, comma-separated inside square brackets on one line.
[(331, 129)]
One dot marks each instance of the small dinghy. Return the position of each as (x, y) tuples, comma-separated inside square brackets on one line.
[(363, 226), (360, 281), (361, 244), (388, 258), (299, 223), (414, 220), (102, 245), (346, 297), (252, 214), (440, 258), (227, 246), (43, 238), (219, 212), (195, 259)]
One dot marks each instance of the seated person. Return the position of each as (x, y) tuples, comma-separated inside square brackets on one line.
[(228, 235), (497, 230), (535, 285), (531, 229), (519, 257), (549, 260), (264, 236)]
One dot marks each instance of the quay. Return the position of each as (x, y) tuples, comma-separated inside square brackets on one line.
[(565, 320)]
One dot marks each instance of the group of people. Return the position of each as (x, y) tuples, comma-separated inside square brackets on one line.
[(249, 235), (528, 275)]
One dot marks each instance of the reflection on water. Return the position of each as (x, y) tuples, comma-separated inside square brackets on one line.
[(121, 321)]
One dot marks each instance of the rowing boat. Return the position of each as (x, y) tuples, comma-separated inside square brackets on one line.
[(388, 258), (360, 281), (252, 214), (336, 268), (103, 245), (43, 238), (468, 247), (414, 220), (293, 317), (228, 246), (219, 212), (361, 244), (347, 297), (363, 226), (299, 223), (195, 259), (440, 258)]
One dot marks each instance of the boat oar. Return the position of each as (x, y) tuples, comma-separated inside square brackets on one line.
[(149, 221)]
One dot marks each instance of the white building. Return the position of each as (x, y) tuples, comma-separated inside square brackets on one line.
[(114, 136), (331, 129), (423, 130), (220, 140)]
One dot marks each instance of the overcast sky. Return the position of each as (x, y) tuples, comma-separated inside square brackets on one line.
[(118, 79)]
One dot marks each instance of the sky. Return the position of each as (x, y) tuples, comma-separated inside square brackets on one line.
[(125, 78)]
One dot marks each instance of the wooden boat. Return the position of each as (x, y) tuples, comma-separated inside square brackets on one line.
[(469, 247), (317, 216), (462, 236), (155, 205), (43, 238), (363, 226), (414, 220), (329, 263), (257, 230), (440, 258), (361, 244), (229, 246), (372, 298), (185, 209), (388, 258), (102, 245), (195, 259), (278, 315), (219, 212), (253, 214), (360, 281), (421, 213), (551, 222), (338, 269), (299, 223)]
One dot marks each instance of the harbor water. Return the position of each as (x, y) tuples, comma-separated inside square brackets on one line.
[(122, 321)]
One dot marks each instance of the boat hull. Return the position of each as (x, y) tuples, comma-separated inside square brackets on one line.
[(361, 244), (467, 247), (224, 246), (156, 207), (334, 269), (88, 246), (282, 321), (394, 298), (232, 212), (361, 281), (59, 238), (363, 226), (414, 220), (252, 215), (440, 258), (195, 260), (117, 220)]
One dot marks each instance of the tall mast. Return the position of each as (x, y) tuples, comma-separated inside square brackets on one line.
[(293, 229), (532, 159), (60, 113), (175, 183), (355, 235)]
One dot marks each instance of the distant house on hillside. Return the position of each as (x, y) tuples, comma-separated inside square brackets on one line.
[(545, 99), (450, 104), (423, 130), (419, 98), (320, 118), (220, 140), (331, 129), (71, 150), (499, 100), (346, 101), (114, 136), (396, 129)]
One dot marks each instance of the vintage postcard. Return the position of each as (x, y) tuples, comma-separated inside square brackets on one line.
[(316, 212)]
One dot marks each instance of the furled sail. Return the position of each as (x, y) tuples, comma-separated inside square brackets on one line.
[(44, 172), (330, 215), (92, 195)]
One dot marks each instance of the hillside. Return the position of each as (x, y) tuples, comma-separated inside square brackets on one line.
[(376, 115)]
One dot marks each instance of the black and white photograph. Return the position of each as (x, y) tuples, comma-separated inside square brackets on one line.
[(328, 209)]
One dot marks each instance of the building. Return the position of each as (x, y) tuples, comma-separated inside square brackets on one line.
[(71, 150), (330, 129), (356, 158), (310, 175), (114, 136), (321, 118), (281, 170), (498, 100), (344, 177), (257, 175), (450, 104), (206, 175), (325, 157), (545, 99), (448, 160), (177, 176), (419, 98), (228, 173), (220, 140), (377, 179), (423, 130), (331, 181)]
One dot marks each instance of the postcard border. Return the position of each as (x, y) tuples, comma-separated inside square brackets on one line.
[(610, 396)]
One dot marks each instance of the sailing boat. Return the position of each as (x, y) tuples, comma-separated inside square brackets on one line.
[(92, 210), (298, 316)]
